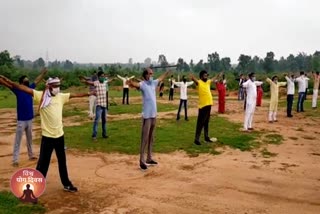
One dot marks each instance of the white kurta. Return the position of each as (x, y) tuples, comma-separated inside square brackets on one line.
[(251, 99)]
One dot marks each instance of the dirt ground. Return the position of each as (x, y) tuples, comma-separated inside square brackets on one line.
[(232, 182)]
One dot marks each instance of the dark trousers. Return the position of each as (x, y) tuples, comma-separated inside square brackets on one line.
[(289, 104), (300, 101), (125, 95), (47, 146), (184, 102), (203, 122), (171, 94)]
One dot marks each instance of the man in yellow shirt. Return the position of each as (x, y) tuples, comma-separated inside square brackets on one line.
[(51, 105), (205, 103), (274, 98)]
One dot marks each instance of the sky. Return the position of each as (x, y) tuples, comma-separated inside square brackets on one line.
[(105, 31)]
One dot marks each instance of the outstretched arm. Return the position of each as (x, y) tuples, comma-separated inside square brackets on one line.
[(216, 77), (85, 81), (120, 77), (193, 79), (44, 71), (17, 86), (6, 84), (82, 94), (163, 76), (133, 84)]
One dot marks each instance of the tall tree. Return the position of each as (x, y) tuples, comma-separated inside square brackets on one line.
[(214, 61), (5, 59), (269, 62), (162, 60), (191, 64), (39, 63), (244, 61), (180, 64), (225, 63)]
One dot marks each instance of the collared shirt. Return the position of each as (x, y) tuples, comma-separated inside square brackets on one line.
[(24, 104), (251, 90), (148, 90), (171, 82), (51, 115), (101, 93), (183, 89), (290, 86)]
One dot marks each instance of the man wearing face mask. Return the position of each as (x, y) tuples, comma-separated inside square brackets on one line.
[(183, 96), (24, 115), (274, 97), (51, 103), (205, 103), (251, 98), (149, 113)]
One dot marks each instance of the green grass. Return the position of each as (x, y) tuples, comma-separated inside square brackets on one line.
[(124, 136), (273, 139), (7, 99), (9, 204)]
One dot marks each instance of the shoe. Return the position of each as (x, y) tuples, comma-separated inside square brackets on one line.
[(15, 164), (250, 129), (106, 136), (70, 188), (152, 162), (290, 116), (208, 140), (275, 121), (143, 166), (33, 158), (197, 142), (270, 121), (94, 138)]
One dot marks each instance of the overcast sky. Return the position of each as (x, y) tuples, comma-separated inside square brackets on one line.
[(113, 31)]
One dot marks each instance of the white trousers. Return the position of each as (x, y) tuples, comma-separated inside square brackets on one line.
[(314, 98), (92, 105), (248, 116), (272, 115)]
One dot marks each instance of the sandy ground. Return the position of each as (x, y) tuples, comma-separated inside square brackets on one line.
[(233, 182)]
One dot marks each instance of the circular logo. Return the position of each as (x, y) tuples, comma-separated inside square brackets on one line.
[(27, 181)]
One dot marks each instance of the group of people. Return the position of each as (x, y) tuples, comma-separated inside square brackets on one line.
[(51, 100), (251, 95)]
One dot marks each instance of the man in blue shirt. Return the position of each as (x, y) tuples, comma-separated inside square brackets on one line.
[(24, 115), (149, 113)]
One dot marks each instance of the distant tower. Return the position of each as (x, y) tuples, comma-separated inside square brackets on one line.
[(47, 59)]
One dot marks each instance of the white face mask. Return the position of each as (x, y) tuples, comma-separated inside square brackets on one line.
[(55, 91)]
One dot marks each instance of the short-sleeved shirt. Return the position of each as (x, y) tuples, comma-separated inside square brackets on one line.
[(24, 104), (205, 96), (148, 90), (101, 93), (51, 115)]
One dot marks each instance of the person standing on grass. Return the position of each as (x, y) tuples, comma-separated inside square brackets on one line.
[(205, 103), (241, 80), (148, 89), (301, 90), (183, 96), (274, 97), (250, 87), (125, 87), (221, 87), (101, 104), (290, 94), (316, 80), (171, 81), (51, 103), (24, 115)]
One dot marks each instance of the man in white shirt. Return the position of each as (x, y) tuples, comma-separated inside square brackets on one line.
[(251, 90), (316, 80), (290, 94), (125, 87), (183, 96), (301, 90)]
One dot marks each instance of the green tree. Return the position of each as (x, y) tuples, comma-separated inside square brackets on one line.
[(180, 64), (162, 60), (214, 62), (269, 62), (39, 63), (5, 59), (225, 63), (68, 65), (244, 61)]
